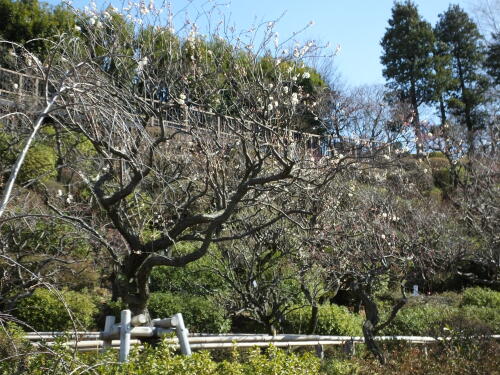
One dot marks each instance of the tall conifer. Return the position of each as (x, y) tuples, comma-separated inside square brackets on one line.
[(408, 59)]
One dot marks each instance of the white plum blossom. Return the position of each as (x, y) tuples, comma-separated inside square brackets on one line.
[(15, 86), (77, 28), (270, 107), (306, 75), (285, 89), (295, 99), (69, 199), (141, 64), (382, 236), (182, 97)]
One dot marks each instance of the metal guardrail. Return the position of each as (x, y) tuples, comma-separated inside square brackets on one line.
[(19, 84), (131, 330)]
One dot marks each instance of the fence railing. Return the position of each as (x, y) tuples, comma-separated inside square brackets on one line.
[(19, 84), (131, 330)]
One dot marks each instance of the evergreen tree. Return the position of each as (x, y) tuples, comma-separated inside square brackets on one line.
[(461, 35), (25, 20), (408, 59), (493, 58)]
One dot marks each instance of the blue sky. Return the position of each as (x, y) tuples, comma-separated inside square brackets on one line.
[(356, 25)]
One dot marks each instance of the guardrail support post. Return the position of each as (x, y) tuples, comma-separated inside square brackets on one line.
[(320, 353), (125, 327), (108, 328), (350, 348), (182, 334)]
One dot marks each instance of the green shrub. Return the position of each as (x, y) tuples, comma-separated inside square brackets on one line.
[(436, 154), (193, 279), (13, 346), (482, 297), (201, 314), (417, 320), (39, 163), (332, 320), (436, 194), (334, 366), (163, 360), (442, 178), (47, 310), (437, 163), (423, 319), (489, 317)]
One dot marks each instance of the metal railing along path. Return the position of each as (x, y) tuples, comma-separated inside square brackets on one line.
[(131, 330), (23, 85)]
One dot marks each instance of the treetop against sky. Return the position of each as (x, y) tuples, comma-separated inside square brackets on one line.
[(353, 29)]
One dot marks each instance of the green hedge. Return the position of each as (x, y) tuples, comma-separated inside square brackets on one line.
[(163, 361), (332, 320), (200, 314), (47, 310), (424, 320), (417, 320), (482, 297), (39, 163), (196, 278)]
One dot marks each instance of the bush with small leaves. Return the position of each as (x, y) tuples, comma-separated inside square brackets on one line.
[(335, 366), (51, 310), (332, 320), (13, 349), (163, 360), (417, 320), (481, 297), (201, 314)]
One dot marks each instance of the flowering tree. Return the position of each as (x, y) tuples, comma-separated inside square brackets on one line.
[(158, 164), (371, 227)]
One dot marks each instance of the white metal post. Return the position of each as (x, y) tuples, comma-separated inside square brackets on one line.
[(126, 316), (108, 328), (182, 334)]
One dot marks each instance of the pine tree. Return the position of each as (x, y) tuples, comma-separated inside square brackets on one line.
[(460, 34), (493, 58), (408, 45)]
